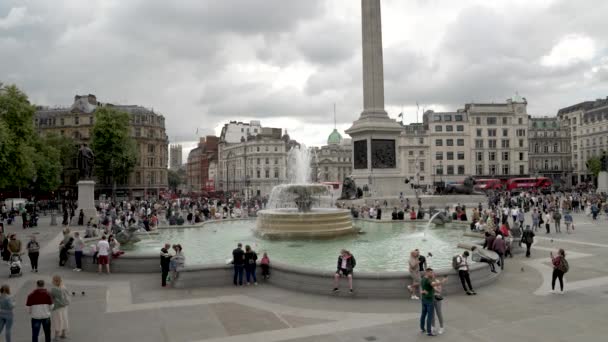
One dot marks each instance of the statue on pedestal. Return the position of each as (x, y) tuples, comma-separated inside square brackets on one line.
[(85, 162)]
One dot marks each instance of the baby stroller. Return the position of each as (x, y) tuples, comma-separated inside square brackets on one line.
[(14, 265)]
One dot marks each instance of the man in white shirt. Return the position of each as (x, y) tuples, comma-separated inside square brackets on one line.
[(103, 254)]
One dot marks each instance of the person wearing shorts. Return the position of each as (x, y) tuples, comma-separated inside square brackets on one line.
[(346, 263), (414, 269), (103, 254)]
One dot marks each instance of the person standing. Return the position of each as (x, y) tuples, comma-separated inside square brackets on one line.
[(78, 251), (528, 239), (238, 259), (548, 222), (103, 254), (462, 265), (39, 305), (557, 217), (414, 270), (59, 313), (250, 264), (427, 294), (33, 252), (165, 260), (499, 246), (14, 245), (437, 301), (265, 264), (560, 267), (568, 220), (6, 311), (346, 264)]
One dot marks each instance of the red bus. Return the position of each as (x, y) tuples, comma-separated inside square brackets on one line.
[(524, 184), (488, 184)]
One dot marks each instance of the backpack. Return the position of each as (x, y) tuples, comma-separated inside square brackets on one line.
[(563, 265), (455, 262)]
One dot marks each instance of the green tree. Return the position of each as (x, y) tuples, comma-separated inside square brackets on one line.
[(176, 178), (47, 163), (16, 137), (113, 146), (594, 165)]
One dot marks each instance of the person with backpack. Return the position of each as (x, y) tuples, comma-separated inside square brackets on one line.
[(557, 217), (460, 263), (250, 264), (560, 267), (527, 238)]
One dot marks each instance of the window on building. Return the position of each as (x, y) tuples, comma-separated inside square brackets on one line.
[(521, 132), (438, 128), (450, 155), (137, 132), (448, 118), (460, 155), (137, 177), (439, 170), (257, 174), (505, 156), (438, 155), (151, 148), (545, 148), (276, 148), (257, 148), (492, 169), (520, 121), (460, 128), (449, 128), (521, 142), (479, 156), (438, 142), (276, 161), (152, 177), (421, 141), (536, 148), (461, 169), (521, 156), (421, 152), (458, 117), (478, 143), (436, 117), (479, 169), (521, 169), (505, 132), (546, 164), (491, 121), (76, 120), (479, 130), (505, 121), (505, 143), (492, 143), (459, 142), (555, 147), (276, 173), (450, 169), (492, 156), (61, 121), (421, 166), (411, 153), (478, 121), (259, 161), (449, 142), (267, 161), (491, 132), (150, 161), (505, 169), (267, 173)]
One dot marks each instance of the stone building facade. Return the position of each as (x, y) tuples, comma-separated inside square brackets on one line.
[(175, 156), (332, 162), (550, 155), (253, 166), (587, 123), (149, 177)]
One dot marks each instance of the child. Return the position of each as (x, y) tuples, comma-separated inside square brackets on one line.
[(265, 264)]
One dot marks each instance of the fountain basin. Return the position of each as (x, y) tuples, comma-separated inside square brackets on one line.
[(292, 224)]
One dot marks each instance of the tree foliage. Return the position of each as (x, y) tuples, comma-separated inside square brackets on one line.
[(114, 148), (594, 165), (176, 178)]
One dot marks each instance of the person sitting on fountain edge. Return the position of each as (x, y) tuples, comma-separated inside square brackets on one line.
[(346, 264)]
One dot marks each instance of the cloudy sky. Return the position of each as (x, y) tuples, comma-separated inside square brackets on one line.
[(286, 62)]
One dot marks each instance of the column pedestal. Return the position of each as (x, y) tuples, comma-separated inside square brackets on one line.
[(86, 199)]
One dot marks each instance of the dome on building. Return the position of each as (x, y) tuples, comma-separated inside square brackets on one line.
[(334, 138)]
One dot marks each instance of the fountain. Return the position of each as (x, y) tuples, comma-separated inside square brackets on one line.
[(292, 212)]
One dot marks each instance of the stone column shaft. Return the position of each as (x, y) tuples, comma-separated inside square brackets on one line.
[(373, 70)]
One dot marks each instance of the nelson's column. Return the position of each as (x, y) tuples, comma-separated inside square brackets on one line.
[(375, 135)]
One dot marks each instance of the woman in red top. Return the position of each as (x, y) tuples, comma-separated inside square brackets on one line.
[(412, 214), (558, 271), (504, 230)]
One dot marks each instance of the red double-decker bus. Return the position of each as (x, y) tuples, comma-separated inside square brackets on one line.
[(488, 184), (527, 184)]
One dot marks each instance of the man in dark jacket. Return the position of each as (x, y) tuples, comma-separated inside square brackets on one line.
[(346, 264), (527, 238), (238, 259), (165, 260)]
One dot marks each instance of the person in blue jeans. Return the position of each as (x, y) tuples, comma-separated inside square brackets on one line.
[(6, 311), (250, 263), (238, 259), (427, 297), (39, 305)]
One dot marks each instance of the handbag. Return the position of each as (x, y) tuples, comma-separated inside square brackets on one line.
[(438, 297)]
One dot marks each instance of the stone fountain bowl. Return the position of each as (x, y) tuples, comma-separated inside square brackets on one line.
[(303, 189)]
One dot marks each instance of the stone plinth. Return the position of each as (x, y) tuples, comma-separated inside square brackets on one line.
[(86, 199), (602, 182)]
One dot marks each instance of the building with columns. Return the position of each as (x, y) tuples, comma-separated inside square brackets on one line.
[(587, 123), (149, 177), (449, 146), (332, 162), (550, 155)]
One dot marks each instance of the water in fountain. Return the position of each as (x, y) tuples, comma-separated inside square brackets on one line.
[(428, 225)]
